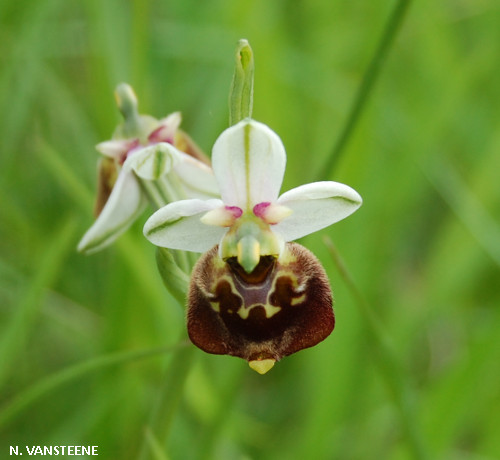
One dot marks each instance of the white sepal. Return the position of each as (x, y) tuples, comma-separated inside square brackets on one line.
[(316, 206), (197, 178), (124, 205), (249, 162), (178, 226)]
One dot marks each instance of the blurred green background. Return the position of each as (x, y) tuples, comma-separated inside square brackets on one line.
[(87, 344)]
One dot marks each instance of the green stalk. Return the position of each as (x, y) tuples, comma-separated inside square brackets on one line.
[(169, 397), (369, 79), (157, 451), (387, 360), (232, 389), (162, 414), (241, 93), (173, 267), (140, 41)]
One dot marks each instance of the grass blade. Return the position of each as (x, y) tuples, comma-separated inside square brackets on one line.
[(388, 362), (47, 271), (367, 83), (24, 399)]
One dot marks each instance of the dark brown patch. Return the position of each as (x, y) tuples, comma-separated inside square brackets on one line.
[(106, 178), (259, 273), (227, 301)]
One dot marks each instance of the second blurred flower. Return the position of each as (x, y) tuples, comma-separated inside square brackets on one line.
[(146, 160)]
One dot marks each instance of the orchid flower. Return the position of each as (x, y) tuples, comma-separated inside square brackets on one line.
[(254, 294), (146, 160)]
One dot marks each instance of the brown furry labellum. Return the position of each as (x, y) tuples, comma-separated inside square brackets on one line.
[(284, 305)]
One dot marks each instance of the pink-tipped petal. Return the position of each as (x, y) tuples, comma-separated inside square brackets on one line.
[(224, 216), (271, 213)]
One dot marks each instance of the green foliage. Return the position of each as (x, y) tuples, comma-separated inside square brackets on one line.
[(400, 103)]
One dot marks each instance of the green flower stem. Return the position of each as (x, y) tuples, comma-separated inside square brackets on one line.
[(169, 398), (140, 35), (232, 389), (387, 359), (369, 79), (163, 412), (241, 93), (23, 400), (173, 267), (157, 451)]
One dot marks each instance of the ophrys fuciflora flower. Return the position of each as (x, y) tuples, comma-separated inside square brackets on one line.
[(254, 294)]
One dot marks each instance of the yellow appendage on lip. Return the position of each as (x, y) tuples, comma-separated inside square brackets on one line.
[(262, 366)]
